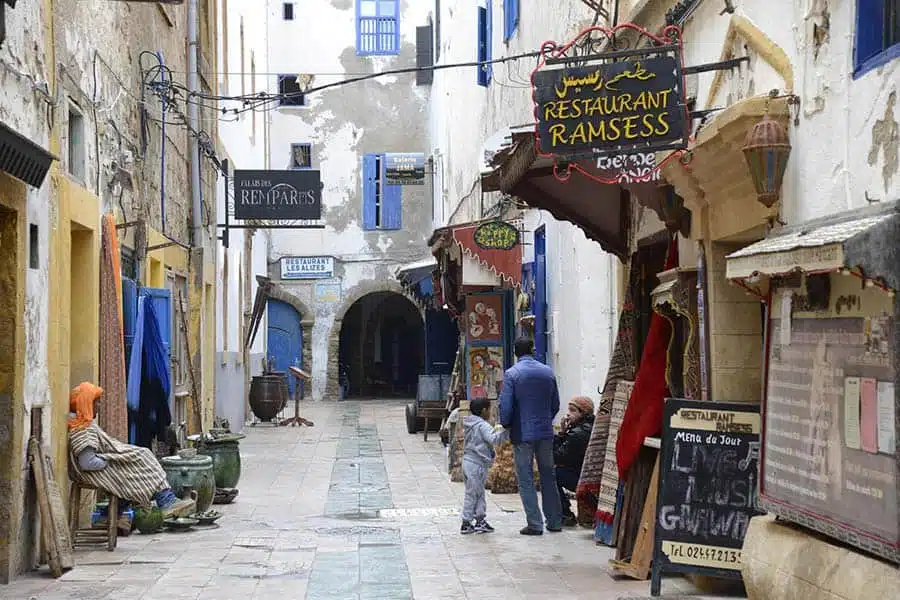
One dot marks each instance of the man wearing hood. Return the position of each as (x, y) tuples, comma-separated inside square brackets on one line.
[(569, 447)]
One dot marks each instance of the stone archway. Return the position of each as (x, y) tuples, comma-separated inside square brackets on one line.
[(352, 296), (307, 320)]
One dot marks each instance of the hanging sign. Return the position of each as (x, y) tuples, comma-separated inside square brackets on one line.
[(496, 235), (707, 487), (281, 195), (404, 168), (610, 108), (307, 267)]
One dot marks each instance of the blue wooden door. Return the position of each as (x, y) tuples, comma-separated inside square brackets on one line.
[(441, 342), (284, 345), (162, 305), (540, 294)]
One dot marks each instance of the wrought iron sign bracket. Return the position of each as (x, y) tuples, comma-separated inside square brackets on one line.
[(716, 66)]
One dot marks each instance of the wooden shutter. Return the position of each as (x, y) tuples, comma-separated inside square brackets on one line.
[(162, 305), (391, 203), (510, 18), (368, 192), (424, 55), (437, 30), (488, 40), (482, 45), (870, 16)]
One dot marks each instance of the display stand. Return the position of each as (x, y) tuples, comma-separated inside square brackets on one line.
[(303, 378)]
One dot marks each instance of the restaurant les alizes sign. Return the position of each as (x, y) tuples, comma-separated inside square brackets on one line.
[(610, 108)]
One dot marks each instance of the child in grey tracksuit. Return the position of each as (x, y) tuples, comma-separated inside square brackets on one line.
[(479, 441)]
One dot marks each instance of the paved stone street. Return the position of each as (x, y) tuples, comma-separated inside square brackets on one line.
[(353, 508)]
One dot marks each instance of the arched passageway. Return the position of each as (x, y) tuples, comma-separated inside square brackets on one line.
[(381, 350)]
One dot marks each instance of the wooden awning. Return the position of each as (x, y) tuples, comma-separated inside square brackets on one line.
[(602, 211)]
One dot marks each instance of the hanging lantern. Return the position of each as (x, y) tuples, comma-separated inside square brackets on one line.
[(766, 151)]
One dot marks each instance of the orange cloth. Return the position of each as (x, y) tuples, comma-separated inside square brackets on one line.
[(112, 236), (81, 402)]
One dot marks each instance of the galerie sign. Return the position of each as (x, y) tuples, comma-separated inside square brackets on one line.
[(307, 267), (280, 195), (610, 108)]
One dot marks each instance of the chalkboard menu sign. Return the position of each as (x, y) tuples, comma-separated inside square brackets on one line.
[(830, 419), (707, 487)]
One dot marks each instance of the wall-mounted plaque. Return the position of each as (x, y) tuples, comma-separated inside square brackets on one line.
[(829, 459)]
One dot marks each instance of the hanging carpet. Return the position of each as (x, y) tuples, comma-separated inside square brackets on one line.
[(113, 413), (596, 502), (643, 417)]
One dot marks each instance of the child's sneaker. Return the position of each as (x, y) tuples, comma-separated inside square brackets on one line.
[(466, 528), (482, 526)]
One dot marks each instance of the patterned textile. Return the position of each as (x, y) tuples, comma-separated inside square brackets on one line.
[(131, 472), (621, 367), (643, 417), (610, 486), (113, 415)]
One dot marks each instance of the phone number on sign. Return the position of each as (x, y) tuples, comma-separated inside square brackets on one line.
[(701, 555)]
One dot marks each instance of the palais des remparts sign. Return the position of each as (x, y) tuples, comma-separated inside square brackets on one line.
[(278, 195)]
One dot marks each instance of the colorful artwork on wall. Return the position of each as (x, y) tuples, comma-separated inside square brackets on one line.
[(484, 318), (485, 372)]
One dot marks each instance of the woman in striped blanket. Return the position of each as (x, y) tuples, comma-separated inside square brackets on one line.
[(101, 461)]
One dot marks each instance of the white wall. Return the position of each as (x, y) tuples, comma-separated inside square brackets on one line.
[(384, 114), (463, 115), (23, 107), (243, 142), (832, 165)]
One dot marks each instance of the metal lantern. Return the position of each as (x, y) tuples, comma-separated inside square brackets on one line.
[(766, 151)]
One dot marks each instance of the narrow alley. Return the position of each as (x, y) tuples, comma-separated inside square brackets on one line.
[(353, 507)]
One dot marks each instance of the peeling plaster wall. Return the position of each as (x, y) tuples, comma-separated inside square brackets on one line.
[(846, 144), (242, 141), (386, 114), (581, 284), (24, 67)]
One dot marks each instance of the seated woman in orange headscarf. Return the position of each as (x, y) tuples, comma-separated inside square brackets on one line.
[(101, 461)]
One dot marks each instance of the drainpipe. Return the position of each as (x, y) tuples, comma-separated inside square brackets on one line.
[(193, 111)]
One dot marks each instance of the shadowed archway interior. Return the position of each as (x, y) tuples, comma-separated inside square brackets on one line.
[(381, 351)]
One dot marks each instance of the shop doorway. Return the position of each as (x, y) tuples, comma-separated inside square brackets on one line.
[(9, 319), (82, 352), (284, 341), (381, 349)]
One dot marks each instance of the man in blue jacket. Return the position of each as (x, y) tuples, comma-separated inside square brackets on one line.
[(529, 402)]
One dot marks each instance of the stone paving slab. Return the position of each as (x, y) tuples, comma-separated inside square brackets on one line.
[(354, 508)]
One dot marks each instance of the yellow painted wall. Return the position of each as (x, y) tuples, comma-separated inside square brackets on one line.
[(73, 335)]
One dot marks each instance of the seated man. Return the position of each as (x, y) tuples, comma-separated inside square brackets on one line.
[(128, 472), (569, 448)]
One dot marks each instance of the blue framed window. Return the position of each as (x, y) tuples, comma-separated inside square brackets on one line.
[(382, 202), (877, 34), (510, 18), (485, 36), (301, 156), (377, 27)]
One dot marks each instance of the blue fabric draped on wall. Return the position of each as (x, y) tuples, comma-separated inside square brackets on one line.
[(149, 385)]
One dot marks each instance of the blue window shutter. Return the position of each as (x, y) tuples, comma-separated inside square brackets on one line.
[(368, 192), (391, 204), (510, 18), (869, 30), (489, 41), (482, 45), (129, 314)]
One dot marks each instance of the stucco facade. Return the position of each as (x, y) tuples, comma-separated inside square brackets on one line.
[(464, 119), (71, 81), (342, 124)]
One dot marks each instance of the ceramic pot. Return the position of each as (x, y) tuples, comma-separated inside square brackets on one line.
[(195, 473), (268, 395), (226, 456)]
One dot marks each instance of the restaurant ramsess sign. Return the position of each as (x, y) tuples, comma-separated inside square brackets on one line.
[(610, 108)]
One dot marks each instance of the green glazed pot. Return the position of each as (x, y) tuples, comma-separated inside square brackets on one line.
[(226, 457), (196, 473)]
